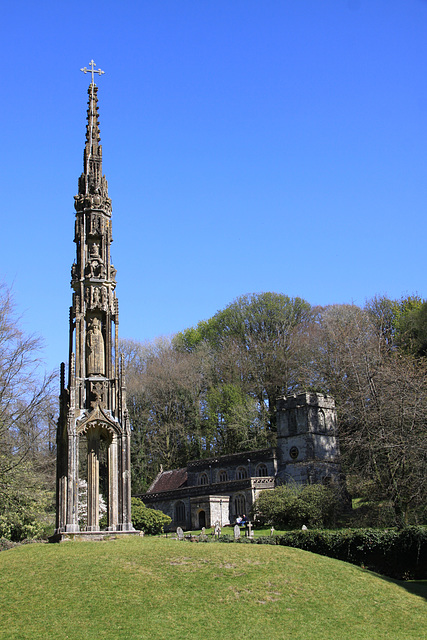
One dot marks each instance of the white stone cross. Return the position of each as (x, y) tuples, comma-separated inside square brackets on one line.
[(92, 70)]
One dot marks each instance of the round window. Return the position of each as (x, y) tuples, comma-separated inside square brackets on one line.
[(294, 453)]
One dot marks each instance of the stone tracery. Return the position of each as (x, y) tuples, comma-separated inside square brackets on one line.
[(93, 404)]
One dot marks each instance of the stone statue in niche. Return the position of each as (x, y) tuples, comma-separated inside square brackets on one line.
[(98, 394), (95, 224), (104, 298), (94, 251), (95, 267), (111, 302), (88, 297), (96, 297), (95, 352)]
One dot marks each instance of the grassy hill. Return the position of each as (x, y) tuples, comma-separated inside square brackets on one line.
[(162, 589)]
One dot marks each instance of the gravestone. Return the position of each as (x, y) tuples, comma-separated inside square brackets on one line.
[(272, 531), (217, 530), (203, 531), (236, 532), (250, 533), (180, 533)]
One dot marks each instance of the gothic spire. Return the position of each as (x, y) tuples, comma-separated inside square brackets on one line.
[(93, 188)]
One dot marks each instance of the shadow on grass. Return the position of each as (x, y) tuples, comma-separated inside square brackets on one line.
[(416, 587)]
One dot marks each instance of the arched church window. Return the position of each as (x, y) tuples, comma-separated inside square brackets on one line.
[(239, 504), (261, 470), (180, 511), (203, 478), (222, 476), (241, 473)]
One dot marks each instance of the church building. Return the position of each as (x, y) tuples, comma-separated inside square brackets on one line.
[(220, 489)]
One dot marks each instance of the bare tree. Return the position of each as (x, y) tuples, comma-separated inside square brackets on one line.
[(166, 388), (381, 396), (25, 393)]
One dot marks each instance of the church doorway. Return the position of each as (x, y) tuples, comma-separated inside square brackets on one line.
[(202, 519)]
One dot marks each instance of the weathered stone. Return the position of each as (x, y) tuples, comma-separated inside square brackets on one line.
[(93, 404), (180, 533)]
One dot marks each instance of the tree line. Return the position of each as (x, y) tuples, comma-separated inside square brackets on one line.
[(212, 389), (28, 409)]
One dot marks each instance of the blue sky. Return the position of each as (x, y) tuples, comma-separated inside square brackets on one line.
[(274, 145)]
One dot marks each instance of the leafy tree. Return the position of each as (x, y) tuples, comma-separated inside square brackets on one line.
[(232, 416), (26, 504), (291, 507), (150, 521), (263, 334), (411, 325)]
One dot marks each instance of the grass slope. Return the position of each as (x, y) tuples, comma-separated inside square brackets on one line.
[(156, 588)]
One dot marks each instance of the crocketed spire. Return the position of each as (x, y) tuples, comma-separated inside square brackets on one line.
[(93, 186)]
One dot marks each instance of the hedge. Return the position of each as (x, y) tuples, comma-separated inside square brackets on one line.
[(400, 554)]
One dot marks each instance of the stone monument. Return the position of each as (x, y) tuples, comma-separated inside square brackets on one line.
[(93, 403)]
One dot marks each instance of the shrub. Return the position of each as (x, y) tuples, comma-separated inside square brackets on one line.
[(150, 521), (400, 554), (226, 537), (288, 507), (6, 544), (265, 540), (371, 515), (25, 516)]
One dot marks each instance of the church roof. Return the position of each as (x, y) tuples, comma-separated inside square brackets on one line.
[(233, 458), (169, 480)]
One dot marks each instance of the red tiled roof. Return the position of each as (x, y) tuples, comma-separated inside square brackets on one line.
[(169, 480)]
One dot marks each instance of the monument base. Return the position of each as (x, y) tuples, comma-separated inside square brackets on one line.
[(92, 535)]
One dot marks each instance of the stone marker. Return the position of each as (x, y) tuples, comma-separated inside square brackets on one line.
[(203, 531), (236, 532), (180, 533), (217, 530), (93, 404), (250, 533), (272, 531)]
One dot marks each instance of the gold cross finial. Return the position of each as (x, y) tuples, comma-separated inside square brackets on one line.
[(92, 70)]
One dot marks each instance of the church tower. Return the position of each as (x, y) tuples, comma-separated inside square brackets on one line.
[(307, 439), (93, 404)]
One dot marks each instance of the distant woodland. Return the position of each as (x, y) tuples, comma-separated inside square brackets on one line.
[(212, 390)]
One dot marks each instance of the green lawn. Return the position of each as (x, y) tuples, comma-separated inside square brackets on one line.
[(161, 589)]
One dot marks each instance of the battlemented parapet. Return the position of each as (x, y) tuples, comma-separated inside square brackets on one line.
[(307, 440)]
